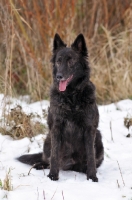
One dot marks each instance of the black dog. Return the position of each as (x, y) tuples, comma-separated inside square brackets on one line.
[(73, 142)]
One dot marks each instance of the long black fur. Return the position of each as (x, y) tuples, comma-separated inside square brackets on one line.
[(73, 142)]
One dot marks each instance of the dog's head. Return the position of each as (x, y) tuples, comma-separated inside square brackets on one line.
[(70, 65)]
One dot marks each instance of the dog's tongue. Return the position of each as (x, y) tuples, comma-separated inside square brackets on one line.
[(62, 85)]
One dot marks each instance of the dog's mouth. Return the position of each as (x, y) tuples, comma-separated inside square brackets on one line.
[(63, 83)]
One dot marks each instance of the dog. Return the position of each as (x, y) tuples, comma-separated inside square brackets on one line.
[(73, 142)]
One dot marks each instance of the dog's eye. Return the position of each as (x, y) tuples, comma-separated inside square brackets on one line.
[(58, 62), (70, 62)]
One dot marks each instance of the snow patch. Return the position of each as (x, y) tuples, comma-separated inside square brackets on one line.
[(115, 174)]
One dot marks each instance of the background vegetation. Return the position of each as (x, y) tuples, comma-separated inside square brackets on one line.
[(27, 29)]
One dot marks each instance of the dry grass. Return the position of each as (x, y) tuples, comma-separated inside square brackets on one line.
[(112, 66), (18, 125), (27, 29), (6, 184), (128, 122)]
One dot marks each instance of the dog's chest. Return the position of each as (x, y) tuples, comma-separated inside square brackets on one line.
[(71, 105), (71, 113), (73, 108)]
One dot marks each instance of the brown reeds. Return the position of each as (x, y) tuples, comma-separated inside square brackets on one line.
[(27, 29)]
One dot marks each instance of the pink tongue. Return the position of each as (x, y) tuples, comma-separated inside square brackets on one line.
[(62, 85)]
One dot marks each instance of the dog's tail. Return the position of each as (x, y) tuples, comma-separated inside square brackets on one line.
[(36, 160), (30, 159)]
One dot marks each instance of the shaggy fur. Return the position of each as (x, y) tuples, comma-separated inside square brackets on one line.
[(73, 142)]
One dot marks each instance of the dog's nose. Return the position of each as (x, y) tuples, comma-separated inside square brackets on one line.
[(59, 76)]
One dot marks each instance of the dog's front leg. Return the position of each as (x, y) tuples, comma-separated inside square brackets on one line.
[(55, 147), (89, 137)]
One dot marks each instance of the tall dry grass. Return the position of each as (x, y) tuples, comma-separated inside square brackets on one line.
[(27, 29), (112, 66)]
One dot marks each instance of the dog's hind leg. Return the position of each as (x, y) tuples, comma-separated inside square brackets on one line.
[(99, 149)]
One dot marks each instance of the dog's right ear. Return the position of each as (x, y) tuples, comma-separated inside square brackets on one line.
[(58, 43), (80, 45)]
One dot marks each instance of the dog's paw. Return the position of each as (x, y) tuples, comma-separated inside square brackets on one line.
[(53, 177), (39, 166), (94, 178)]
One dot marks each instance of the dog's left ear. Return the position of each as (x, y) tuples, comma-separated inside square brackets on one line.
[(58, 43), (80, 45)]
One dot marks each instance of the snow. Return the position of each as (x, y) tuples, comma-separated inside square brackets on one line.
[(115, 174)]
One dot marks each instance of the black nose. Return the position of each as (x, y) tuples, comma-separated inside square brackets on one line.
[(59, 76)]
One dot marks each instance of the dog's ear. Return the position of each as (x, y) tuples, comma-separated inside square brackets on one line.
[(58, 43), (80, 45)]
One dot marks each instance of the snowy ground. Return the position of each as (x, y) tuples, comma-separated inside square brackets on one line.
[(115, 174)]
